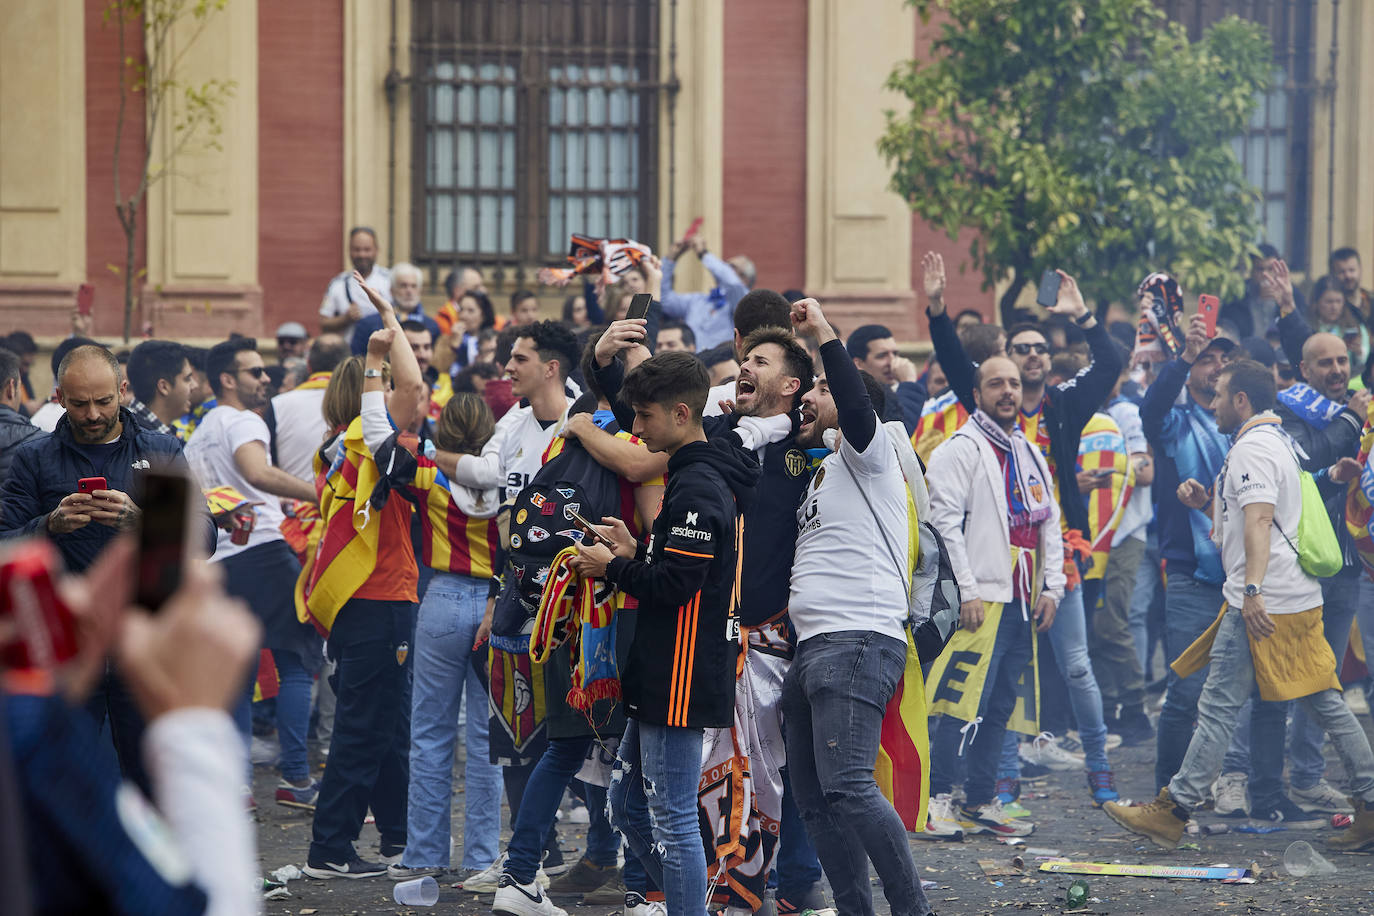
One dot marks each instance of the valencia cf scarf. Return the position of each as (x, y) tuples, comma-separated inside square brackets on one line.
[(582, 612), (1029, 500)]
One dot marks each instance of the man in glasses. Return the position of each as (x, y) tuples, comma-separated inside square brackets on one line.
[(1052, 417), (231, 448)]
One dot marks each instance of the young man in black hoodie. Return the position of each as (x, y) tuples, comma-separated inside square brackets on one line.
[(680, 677)]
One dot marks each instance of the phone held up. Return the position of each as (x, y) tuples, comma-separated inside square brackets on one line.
[(1208, 307), (1048, 294), (162, 536), (639, 306)]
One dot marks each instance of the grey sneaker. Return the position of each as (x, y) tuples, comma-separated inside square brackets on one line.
[(407, 872), (1321, 797)]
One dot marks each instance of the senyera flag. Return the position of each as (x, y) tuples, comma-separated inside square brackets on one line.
[(904, 746)]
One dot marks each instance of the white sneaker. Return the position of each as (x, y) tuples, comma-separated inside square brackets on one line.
[(1356, 700), (1046, 752), (514, 899), (941, 823), (1232, 795), (1321, 797), (264, 751), (642, 907), (991, 819), (488, 879)]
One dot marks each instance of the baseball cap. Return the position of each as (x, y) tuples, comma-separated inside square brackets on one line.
[(1224, 344), (292, 330)]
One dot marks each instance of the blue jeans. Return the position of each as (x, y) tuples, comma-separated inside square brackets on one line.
[(539, 809), (797, 868), (1190, 607), (983, 745), (445, 672), (1147, 598), (833, 700), (294, 683), (1340, 597), (1069, 637), (1230, 682), (1262, 760), (653, 800)]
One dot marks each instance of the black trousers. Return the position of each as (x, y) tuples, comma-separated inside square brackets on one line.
[(369, 755), (111, 704)]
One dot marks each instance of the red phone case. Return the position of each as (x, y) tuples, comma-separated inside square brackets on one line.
[(85, 298), (91, 484), (1208, 307)]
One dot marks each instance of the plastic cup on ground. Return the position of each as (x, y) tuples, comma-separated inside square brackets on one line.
[(417, 892), (1301, 861)]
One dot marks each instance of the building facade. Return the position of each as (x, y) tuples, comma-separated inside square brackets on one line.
[(484, 132)]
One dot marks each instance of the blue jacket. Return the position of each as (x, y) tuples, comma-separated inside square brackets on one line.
[(47, 468)]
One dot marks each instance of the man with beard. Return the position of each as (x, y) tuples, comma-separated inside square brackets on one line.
[(1269, 634), (231, 447), (1052, 418), (989, 486), (1344, 265), (1325, 418), (344, 303), (849, 605), (95, 437)]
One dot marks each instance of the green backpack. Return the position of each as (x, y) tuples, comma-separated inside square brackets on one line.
[(1319, 553)]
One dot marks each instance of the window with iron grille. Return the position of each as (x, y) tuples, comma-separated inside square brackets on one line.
[(1275, 149), (533, 120)]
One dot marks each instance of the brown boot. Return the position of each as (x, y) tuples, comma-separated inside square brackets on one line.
[(1162, 820), (1360, 834)]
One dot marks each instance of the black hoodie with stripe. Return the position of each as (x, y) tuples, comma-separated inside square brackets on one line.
[(681, 670)]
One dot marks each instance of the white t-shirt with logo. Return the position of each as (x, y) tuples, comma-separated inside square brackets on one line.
[(1262, 468), (513, 454), (849, 541), (210, 453)]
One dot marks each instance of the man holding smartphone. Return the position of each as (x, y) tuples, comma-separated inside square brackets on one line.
[(96, 437)]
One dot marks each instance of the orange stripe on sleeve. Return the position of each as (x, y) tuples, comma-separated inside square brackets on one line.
[(688, 553)]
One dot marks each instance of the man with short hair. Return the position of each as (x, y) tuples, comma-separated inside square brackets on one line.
[(163, 382), (1344, 266), (524, 308), (1052, 418), (230, 448), (989, 486), (407, 282), (675, 335), (15, 429), (1269, 634), (298, 425), (95, 437), (22, 345), (709, 314), (759, 308), (292, 339), (874, 350), (688, 613), (344, 303), (849, 605), (202, 399)]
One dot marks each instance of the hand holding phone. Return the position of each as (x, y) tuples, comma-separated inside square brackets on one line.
[(639, 305), (590, 535), (89, 485), (1048, 294), (1208, 307), (162, 537)]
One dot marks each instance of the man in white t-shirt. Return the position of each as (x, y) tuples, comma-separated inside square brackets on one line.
[(1270, 632), (344, 303), (849, 607), (230, 448), (298, 426)]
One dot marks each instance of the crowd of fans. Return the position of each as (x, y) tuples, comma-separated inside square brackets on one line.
[(680, 566)]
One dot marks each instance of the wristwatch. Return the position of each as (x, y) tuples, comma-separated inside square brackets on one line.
[(1253, 591), (372, 373), (1083, 319)]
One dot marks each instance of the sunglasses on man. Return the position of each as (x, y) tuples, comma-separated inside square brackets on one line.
[(1026, 349)]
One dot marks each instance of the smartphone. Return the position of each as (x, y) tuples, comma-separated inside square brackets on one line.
[(639, 306), (1102, 472), (90, 484), (592, 536), (162, 537), (85, 298), (1048, 293), (1208, 307), (42, 634), (692, 230)]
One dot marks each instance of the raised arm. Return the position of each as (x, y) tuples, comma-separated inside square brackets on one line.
[(630, 460), (1084, 394), (407, 382), (858, 422), (948, 350)]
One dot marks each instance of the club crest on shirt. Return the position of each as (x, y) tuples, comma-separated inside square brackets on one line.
[(1037, 488), (794, 462)]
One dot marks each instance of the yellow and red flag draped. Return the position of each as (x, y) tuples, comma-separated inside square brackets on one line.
[(1102, 447), (940, 417), (343, 549), (904, 747), (1359, 502), (452, 541)]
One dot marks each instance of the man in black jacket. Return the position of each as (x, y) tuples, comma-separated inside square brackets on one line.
[(96, 437), (1052, 417), (15, 428), (680, 677)]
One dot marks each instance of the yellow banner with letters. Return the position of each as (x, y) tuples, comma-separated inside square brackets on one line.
[(955, 684)]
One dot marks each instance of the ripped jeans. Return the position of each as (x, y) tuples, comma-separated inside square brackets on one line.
[(653, 802)]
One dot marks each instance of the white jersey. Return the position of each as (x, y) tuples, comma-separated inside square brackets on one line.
[(301, 430), (210, 453), (1262, 468), (512, 456), (853, 527)]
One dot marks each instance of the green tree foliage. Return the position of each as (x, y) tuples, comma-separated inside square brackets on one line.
[(1090, 135)]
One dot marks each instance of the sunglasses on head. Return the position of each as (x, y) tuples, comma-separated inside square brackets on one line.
[(1026, 349)]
